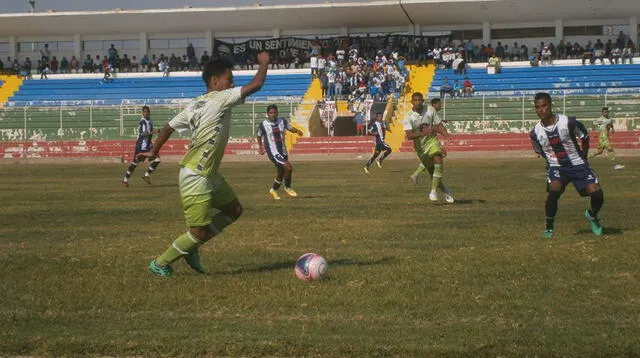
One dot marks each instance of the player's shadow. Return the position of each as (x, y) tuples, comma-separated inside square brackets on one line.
[(312, 196), (464, 202), (605, 231), (291, 264), (162, 186)]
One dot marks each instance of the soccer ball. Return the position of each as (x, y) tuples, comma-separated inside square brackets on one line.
[(311, 267)]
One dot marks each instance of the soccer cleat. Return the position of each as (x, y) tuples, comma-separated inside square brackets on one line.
[(274, 194), (594, 222), (125, 183), (433, 196), (193, 260), (164, 271), (146, 179), (292, 193), (618, 166), (548, 234), (379, 163), (413, 179), (448, 197), (366, 170)]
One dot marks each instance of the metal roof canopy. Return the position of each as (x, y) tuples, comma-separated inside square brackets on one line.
[(312, 16)]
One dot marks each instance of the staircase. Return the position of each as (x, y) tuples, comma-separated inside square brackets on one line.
[(420, 78), (10, 84), (302, 113)]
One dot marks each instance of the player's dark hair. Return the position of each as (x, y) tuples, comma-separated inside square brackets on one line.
[(542, 95), (215, 68), (146, 107), (380, 113), (604, 109), (435, 100), (272, 106), (416, 94)]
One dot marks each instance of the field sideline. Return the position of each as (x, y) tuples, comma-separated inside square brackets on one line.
[(408, 278)]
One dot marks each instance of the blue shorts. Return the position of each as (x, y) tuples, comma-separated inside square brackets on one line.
[(278, 159), (382, 146), (580, 175)]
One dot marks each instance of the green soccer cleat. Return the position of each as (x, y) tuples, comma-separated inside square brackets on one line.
[(164, 271), (594, 222), (548, 234), (193, 260)]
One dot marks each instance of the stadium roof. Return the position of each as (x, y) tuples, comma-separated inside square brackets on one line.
[(312, 16)]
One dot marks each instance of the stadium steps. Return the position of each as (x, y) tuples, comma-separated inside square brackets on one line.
[(303, 112), (420, 78), (9, 86)]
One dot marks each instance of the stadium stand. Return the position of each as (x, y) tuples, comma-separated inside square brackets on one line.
[(70, 90), (570, 80)]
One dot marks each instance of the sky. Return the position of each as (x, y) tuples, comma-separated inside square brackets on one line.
[(13, 6)]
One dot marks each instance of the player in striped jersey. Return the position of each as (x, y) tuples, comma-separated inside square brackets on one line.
[(143, 144), (379, 130), (271, 140), (555, 138)]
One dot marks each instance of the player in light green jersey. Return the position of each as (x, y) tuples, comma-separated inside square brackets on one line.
[(423, 127), (604, 125), (202, 188)]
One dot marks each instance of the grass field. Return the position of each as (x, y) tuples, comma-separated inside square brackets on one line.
[(408, 278)]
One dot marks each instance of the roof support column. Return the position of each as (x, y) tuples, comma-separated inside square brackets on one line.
[(276, 33), (486, 33), (633, 31), (208, 42), (415, 29), (77, 47), (13, 49), (344, 31), (144, 44), (559, 30)]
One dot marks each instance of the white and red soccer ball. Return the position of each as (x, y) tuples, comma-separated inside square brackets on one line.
[(311, 267)]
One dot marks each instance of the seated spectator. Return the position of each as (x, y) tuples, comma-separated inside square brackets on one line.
[(457, 89), (204, 59), (64, 65), (598, 52), (627, 53), (446, 88), (1, 66), (144, 63), (135, 66), (562, 50), (88, 65), (126, 63), (53, 65), (74, 65), (494, 62), (615, 55), (534, 60), (587, 53), (467, 88), (546, 56)]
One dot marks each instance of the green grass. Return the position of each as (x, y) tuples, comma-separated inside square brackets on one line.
[(408, 278)]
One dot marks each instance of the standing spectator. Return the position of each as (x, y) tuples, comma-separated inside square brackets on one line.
[(547, 58), (621, 40), (598, 52), (494, 62), (499, 51), (191, 56), (514, 52), (144, 63), (204, 59), (468, 51), (106, 69), (313, 63), (53, 65), (112, 53), (562, 50), (163, 67), (45, 53), (43, 68), (126, 63)]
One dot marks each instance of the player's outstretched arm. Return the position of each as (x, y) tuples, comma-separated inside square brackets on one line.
[(163, 136), (258, 80)]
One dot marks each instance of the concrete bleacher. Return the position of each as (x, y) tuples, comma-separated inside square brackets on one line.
[(525, 80), (70, 90)]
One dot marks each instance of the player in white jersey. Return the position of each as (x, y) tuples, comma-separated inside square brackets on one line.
[(202, 188), (378, 129), (555, 138), (271, 137), (604, 126), (143, 144)]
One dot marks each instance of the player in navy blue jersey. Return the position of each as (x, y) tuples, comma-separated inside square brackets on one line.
[(379, 130), (143, 144), (555, 138), (271, 140)]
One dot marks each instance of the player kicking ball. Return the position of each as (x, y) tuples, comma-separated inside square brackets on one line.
[(271, 140)]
